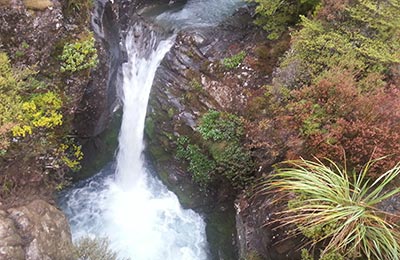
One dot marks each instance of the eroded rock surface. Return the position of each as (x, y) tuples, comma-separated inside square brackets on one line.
[(11, 246), (36, 231), (190, 81)]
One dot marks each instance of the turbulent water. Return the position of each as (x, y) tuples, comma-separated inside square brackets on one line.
[(199, 13), (124, 202)]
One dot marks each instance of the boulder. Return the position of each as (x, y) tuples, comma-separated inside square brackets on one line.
[(44, 230), (11, 246)]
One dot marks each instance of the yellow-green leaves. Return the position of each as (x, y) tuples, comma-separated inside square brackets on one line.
[(366, 40), (79, 56), (71, 155), (41, 111), (276, 15), (21, 111)]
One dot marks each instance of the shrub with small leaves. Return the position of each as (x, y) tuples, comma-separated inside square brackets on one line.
[(200, 165), (221, 154), (88, 248), (218, 126), (234, 61), (41, 111), (71, 155), (79, 56)]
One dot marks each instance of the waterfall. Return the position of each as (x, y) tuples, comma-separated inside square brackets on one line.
[(141, 218), (124, 202)]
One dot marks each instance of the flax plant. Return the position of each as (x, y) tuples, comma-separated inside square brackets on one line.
[(339, 209)]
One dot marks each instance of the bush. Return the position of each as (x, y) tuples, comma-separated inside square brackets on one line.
[(366, 39), (275, 16), (94, 249), (337, 118), (41, 111), (218, 126), (234, 61), (200, 166), (79, 56), (221, 154), (30, 127), (338, 208)]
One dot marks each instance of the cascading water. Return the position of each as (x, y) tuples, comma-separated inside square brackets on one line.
[(140, 217)]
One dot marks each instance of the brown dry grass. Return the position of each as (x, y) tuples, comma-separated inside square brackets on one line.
[(37, 4)]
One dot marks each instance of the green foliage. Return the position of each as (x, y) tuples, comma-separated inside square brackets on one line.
[(341, 206), (196, 85), (41, 111), (149, 127), (94, 249), (222, 154), (79, 56), (234, 61), (367, 40), (275, 16), (10, 101), (71, 155), (22, 117), (233, 162), (305, 255), (200, 165), (218, 126), (30, 108)]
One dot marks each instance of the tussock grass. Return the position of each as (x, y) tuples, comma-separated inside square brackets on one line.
[(328, 204)]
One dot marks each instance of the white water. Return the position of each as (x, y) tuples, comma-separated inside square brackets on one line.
[(124, 202), (199, 13)]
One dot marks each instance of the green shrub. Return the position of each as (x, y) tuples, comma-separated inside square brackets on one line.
[(234, 61), (219, 126), (41, 111), (79, 56), (233, 162), (329, 205), (22, 111), (196, 85), (200, 166), (221, 154), (366, 40), (275, 16), (71, 154)]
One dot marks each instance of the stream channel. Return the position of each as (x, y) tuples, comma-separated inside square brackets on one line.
[(125, 202)]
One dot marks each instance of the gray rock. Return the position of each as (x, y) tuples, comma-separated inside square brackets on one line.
[(10, 241), (45, 230)]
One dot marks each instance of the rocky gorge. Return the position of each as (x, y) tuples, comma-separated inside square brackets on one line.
[(225, 69)]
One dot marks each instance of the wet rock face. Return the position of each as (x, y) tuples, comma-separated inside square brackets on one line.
[(190, 81), (36, 231), (258, 234)]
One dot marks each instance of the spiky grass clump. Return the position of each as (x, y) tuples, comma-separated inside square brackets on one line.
[(337, 209)]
